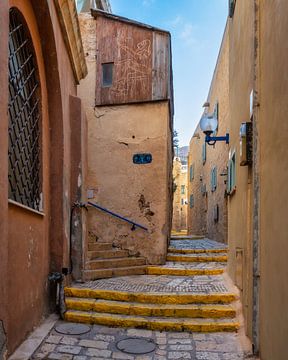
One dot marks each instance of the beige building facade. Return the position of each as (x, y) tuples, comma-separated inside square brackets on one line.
[(180, 187), (207, 165), (251, 88), (128, 97), (258, 206)]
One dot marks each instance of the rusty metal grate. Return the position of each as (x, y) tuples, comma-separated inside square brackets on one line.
[(24, 151)]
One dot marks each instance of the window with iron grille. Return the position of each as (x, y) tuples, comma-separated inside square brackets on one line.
[(24, 109)]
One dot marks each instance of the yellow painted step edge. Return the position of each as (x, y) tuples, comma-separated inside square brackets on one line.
[(150, 323), (196, 251), (156, 298), (158, 270), (197, 258), (182, 311)]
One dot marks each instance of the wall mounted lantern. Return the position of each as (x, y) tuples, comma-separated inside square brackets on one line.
[(209, 124)]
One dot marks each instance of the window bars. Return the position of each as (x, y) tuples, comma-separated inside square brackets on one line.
[(24, 111)]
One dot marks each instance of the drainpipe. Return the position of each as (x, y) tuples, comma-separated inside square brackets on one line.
[(256, 183)]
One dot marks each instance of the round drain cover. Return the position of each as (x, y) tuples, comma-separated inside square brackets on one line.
[(72, 329), (136, 345)]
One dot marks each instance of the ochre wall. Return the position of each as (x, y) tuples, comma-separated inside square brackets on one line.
[(30, 246), (241, 60), (273, 135), (137, 192)]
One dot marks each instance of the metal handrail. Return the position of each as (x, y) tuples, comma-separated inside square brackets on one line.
[(134, 224)]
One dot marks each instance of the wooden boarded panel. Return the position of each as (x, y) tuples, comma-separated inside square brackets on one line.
[(130, 48), (161, 66)]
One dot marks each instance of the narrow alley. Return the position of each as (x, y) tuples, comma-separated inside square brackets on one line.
[(187, 307), (143, 176)]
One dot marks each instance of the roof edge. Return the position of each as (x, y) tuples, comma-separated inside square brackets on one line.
[(98, 12)]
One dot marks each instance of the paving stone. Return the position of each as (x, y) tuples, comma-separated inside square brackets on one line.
[(179, 341), (102, 337), (161, 352), (80, 358), (121, 356), (98, 353), (57, 356), (179, 355), (53, 339), (233, 356), (97, 344), (67, 340), (181, 347), (143, 357), (161, 341), (140, 333), (180, 335), (69, 349), (207, 356), (197, 244), (199, 337)]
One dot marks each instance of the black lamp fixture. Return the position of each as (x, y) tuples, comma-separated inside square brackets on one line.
[(209, 124)]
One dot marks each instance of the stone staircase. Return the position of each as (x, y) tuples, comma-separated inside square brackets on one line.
[(188, 293), (105, 261)]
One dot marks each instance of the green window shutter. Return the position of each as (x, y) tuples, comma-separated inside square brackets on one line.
[(191, 172), (182, 189), (215, 177), (204, 152), (232, 4), (191, 202), (229, 177)]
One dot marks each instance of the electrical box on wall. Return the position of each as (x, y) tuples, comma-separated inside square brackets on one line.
[(246, 145)]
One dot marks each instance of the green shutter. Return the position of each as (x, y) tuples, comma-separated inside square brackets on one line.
[(204, 152)]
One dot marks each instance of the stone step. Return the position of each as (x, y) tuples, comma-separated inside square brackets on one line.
[(197, 258), (151, 297), (152, 323), (99, 246), (174, 271), (115, 263), (107, 254), (173, 250), (214, 311), (88, 275)]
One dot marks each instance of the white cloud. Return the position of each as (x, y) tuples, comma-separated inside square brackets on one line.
[(147, 3), (186, 34)]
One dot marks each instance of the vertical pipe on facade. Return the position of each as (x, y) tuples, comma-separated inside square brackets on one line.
[(256, 181)]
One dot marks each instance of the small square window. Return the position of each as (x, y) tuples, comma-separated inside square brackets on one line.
[(107, 74)]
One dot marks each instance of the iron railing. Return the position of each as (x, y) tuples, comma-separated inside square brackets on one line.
[(134, 224)]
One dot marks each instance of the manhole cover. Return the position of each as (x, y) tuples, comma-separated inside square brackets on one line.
[(136, 345), (72, 329)]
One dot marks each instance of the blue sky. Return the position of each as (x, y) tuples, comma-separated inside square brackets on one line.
[(197, 28)]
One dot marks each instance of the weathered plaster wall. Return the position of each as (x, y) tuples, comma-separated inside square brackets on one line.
[(273, 134), (138, 192), (241, 60)]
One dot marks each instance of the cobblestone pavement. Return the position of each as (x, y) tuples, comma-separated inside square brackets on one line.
[(196, 244), (100, 344), (160, 283)]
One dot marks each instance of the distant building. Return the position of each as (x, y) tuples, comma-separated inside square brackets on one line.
[(179, 219), (207, 165)]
